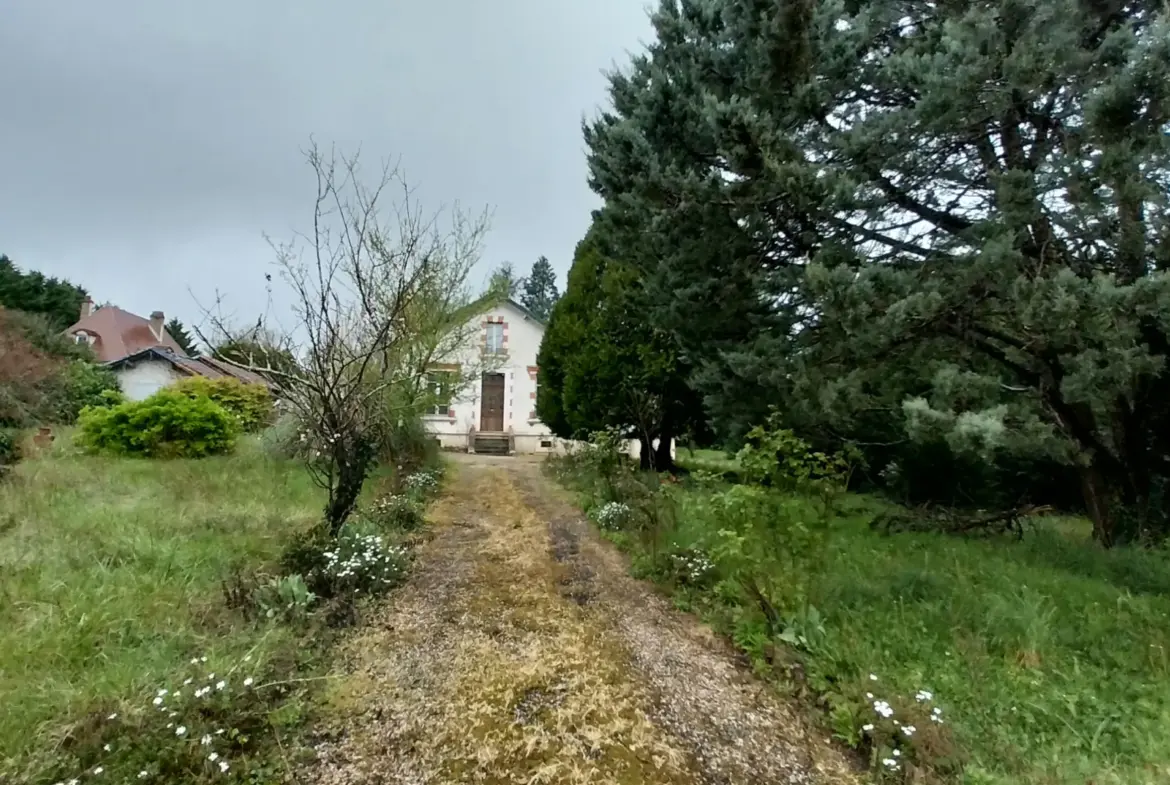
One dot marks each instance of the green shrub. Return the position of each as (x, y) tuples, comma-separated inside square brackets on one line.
[(405, 444), (168, 424), (251, 404), (285, 439), (84, 384), (9, 450), (395, 512)]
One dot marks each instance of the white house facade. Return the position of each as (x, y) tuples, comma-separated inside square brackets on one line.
[(495, 409)]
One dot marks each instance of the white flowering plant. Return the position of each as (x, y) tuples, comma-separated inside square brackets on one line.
[(907, 739), (611, 516), (363, 563), (423, 483), (693, 567), (208, 725)]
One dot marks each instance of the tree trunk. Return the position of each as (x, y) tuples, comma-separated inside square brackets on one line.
[(663, 461), (645, 453), (1098, 504)]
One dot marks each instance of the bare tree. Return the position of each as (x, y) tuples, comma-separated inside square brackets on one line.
[(365, 286)]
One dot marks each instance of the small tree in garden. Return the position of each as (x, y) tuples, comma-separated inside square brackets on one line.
[(362, 284)]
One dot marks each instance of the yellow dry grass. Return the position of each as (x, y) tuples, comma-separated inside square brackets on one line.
[(482, 671)]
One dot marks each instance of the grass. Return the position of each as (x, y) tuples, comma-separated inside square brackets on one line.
[(111, 577), (715, 461), (1049, 657)]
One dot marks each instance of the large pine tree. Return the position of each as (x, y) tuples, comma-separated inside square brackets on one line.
[(539, 293), (970, 198)]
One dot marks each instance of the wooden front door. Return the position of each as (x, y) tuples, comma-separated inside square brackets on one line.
[(491, 410)]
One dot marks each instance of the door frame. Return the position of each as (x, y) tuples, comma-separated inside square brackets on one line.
[(503, 387)]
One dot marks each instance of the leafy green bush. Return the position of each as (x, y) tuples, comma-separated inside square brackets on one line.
[(285, 439), (85, 384), (9, 450), (405, 444), (395, 512), (287, 598), (251, 404), (168, 424)]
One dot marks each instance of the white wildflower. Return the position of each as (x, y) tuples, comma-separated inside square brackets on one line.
[(143, 774), (206, 739), (867, 727), (873, 677), (223, 765), (181, 730), (890, 763), (157, 701), (908, 730), (248, 682), (897, 753), (108, 748), (923, 695), (113, 716), (213, 756), (219, 685), (883, 708), (98, 770)]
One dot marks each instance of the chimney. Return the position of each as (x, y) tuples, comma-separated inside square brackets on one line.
[(156, 324), (86, 307)]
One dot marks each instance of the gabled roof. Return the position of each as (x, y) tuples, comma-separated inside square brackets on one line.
[(120, 334), (191, 366), (527, 313)]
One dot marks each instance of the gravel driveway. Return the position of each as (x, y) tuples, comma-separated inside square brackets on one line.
[(521, 652)]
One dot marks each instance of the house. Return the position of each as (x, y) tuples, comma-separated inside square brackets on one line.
[(142, 354), (492, 407)]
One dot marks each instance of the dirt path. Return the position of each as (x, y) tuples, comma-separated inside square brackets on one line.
[(520, 652)]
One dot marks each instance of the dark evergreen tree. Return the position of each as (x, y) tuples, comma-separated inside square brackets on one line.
[(540, 293), (603, 365), (57, 300), (182, 337), (955, 214)]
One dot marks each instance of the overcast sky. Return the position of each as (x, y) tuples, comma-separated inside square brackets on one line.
[(146, 145)]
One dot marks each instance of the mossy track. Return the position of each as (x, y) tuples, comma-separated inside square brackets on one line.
[(520, 652)]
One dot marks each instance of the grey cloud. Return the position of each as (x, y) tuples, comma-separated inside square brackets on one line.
[(145, 145)]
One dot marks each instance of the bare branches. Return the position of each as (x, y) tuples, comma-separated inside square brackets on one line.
[(371, 289)]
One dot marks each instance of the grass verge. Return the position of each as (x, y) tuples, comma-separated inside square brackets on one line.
[(133, 647), (1040, 661)]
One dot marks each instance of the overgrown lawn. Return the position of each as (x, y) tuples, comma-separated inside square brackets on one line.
[(1048, 659), (111, 576)]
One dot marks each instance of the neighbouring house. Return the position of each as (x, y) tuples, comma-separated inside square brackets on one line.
[(492, 407), (142, 354)]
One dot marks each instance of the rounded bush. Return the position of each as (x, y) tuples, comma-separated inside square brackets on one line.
[(251, 404), (168, 424)]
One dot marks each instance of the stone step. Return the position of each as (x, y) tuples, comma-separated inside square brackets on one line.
[(491, 445)]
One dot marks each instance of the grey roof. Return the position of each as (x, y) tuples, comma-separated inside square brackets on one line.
[(193, 366)]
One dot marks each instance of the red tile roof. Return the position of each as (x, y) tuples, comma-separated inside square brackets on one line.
[(120, 333)]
